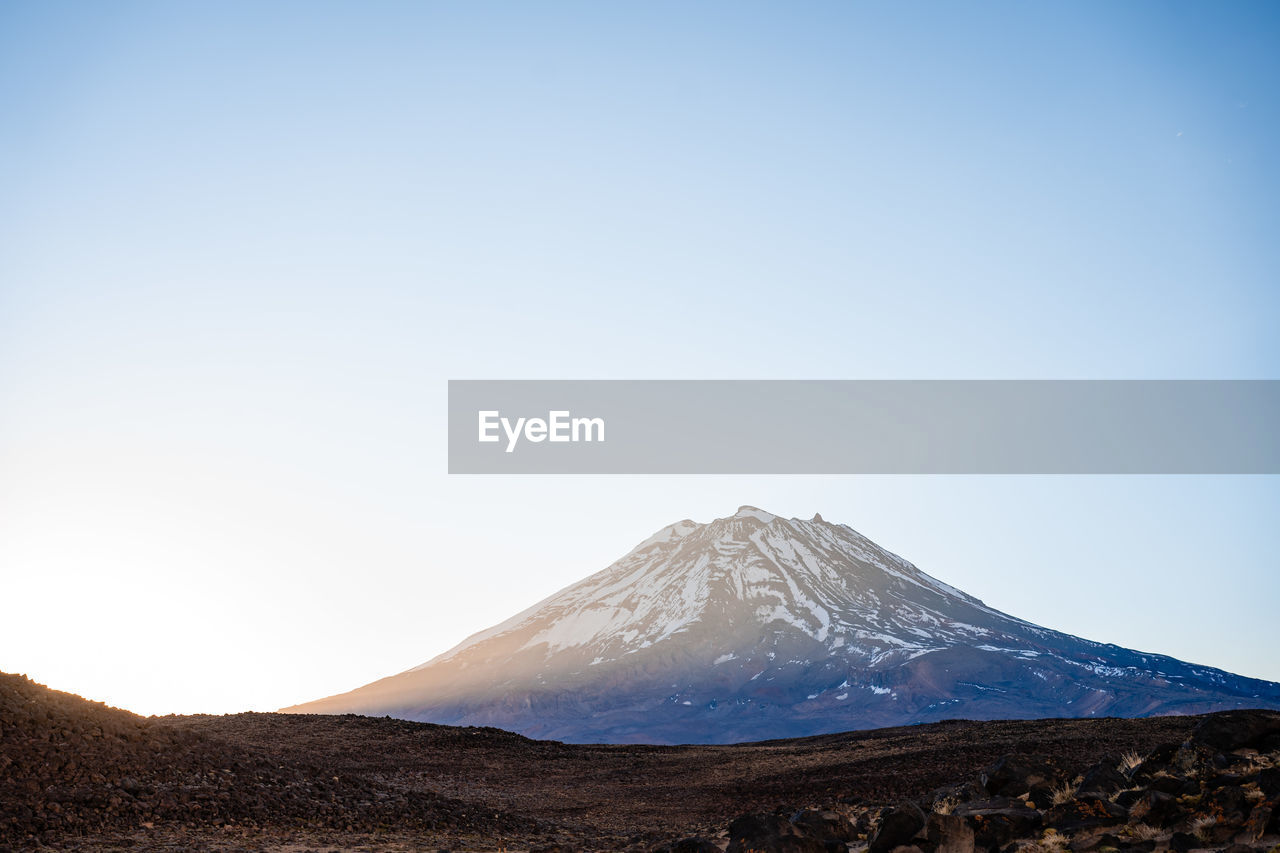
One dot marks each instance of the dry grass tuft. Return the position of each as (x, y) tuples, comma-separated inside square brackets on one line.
[(1200, 827), (1143, 832), (1050, 842), (1063, 793)]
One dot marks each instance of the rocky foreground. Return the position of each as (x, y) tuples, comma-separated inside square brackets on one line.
[(1217, 790), (77, 775)]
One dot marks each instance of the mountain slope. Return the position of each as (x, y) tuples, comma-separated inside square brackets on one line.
[(753, 627)]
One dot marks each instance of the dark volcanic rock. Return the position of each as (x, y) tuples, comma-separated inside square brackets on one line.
[(824, 825), (1126, 799), (944, 798), (1229, 804), (949, 834), (1102, 778), (1155, 808), (1084, 812), (1017, 774), (898, 826), (1154, 762), (1269, 781), (770, 833), (1237, 729), (1172, 785), (999, 821), (1109, 841), (1261, 819)]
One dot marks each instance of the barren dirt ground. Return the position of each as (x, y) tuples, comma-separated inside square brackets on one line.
[(79, 775)]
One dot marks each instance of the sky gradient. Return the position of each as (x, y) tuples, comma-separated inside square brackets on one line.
[(244, 246)]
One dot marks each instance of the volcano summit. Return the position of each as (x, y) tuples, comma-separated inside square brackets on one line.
[(754, 627)]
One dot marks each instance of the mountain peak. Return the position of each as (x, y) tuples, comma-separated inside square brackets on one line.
[(754, 627), (746, 511)]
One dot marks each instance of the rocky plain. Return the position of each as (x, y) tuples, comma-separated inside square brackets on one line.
[(78, 775)]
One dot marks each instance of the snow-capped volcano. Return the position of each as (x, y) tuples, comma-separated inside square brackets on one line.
[(755, 626)]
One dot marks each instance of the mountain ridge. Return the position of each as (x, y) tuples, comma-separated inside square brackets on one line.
[(753, 626)]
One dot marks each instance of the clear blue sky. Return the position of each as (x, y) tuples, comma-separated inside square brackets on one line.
[(243, 246)]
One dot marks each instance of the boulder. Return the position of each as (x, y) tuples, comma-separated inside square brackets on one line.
[(1126, 799), (1083, 813), (1017, 773), (1229, 804), (1155, 809), (1230, 730), (998, 821), (1259, 819), (949, 833), (824, 825), (1108, 841), (1102, 778), (1169, 784), (1193, 759), (898, 826), (946, 798), (770, 833), (1155, 761), (1269, 781)]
